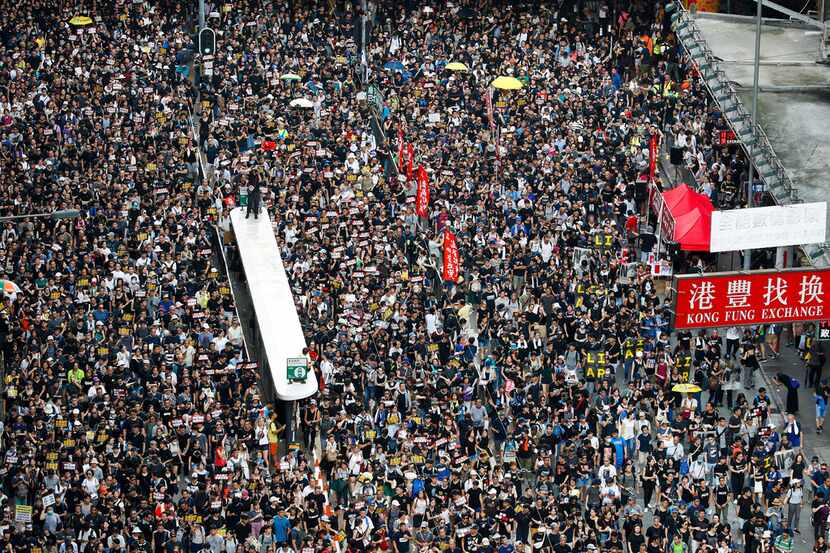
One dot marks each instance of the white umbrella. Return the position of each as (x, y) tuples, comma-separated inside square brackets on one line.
[(301, 103)]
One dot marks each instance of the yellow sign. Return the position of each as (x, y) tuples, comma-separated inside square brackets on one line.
[(595, 363)]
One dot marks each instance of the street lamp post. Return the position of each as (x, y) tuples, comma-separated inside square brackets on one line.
[(754, 121)]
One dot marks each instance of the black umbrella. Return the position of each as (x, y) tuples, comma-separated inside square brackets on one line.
[(467, 13)]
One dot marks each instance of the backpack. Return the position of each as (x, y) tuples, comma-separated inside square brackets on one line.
[(417, 486)]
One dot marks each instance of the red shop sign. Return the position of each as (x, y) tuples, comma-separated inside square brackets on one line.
[(751, 298)]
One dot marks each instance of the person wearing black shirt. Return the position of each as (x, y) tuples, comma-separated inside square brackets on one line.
[(820, 515), (254, 196), (700, 525), (562, 545), (470, 543), (657, 531), (654, 546), (749, 363), (402, 538), (722, 497), (161, 537), (522, 518), (311, 517), (737, 471), (474, 496), (649, 478), (635, 539), (647, 242)]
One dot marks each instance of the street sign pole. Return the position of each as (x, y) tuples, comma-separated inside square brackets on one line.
[(754, 122)]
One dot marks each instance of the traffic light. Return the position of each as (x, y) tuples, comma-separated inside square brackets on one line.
[(207, 41)]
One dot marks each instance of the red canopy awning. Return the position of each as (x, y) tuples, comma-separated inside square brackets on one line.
[(683, 199), (692, 215), (692, 230)]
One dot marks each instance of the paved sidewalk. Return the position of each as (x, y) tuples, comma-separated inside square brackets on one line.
[(790, 364)]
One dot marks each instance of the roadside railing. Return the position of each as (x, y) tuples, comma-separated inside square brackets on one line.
[(753, 139)]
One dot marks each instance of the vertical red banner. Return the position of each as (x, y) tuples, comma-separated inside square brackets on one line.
[(488, 98), (411, 159), (451, 263), (652, 158), (400, 149), (422, 193)]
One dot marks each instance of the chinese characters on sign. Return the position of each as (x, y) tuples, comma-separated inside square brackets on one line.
[(768, 227), (451, 258), (762, 297), (296, 369), (726, 137)]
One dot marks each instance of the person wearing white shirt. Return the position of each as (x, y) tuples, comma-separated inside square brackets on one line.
[(432, 322), (326, 369), (220, 341), (547, 249), (610, 492), (733, 340), (90, 485), (95, 391), (795, 496), (675, 450), (363, 527), (628, 431), (607, 472), (235, 334)]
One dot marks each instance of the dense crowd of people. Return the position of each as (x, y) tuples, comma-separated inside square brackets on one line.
[(528, 406)]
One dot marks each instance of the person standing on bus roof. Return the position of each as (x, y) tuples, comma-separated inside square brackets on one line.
[(254, 196)]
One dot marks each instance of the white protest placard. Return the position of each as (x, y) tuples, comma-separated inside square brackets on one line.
[(23, 513)]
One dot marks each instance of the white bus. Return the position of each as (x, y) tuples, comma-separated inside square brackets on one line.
[(279, 344)]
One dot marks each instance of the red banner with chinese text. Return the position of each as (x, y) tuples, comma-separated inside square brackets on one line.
[(422, 193), (652, 157), (400, 150), (411, 159), (488, 98), (759, 297), (450, 257)]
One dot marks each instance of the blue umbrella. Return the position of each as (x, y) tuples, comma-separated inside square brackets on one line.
[(393, 65)]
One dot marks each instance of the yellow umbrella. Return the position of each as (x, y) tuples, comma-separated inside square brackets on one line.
[(80, 20), (457, 66), (686, 388), (507, 83)]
